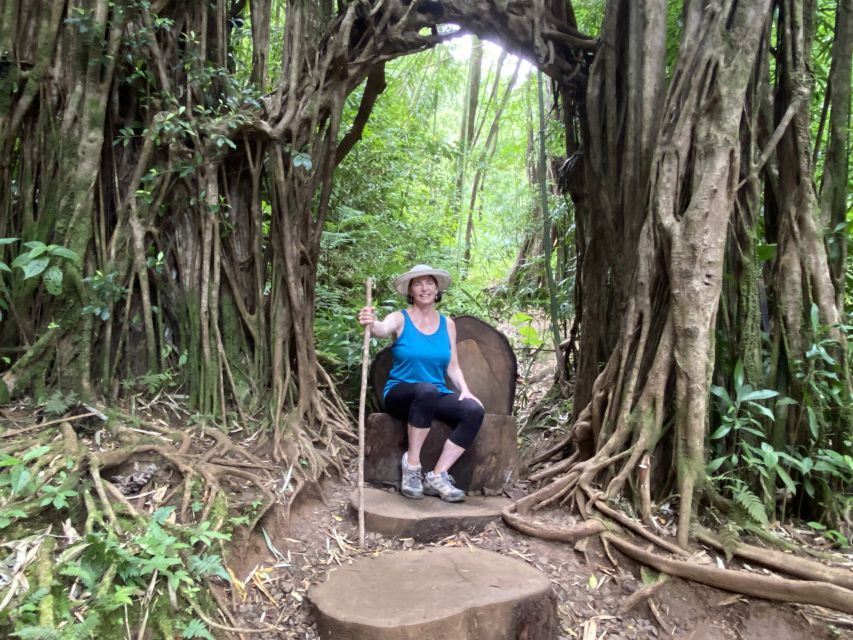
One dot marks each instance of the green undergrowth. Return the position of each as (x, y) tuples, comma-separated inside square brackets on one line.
[(69, 571)]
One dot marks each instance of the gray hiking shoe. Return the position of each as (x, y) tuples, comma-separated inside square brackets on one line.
[(411, 485), (441, 485)]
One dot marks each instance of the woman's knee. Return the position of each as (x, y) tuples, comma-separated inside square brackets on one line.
[(474, 411)]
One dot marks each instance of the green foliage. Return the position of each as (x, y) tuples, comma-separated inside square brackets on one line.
[(58, 402), (814, 464), (530, 337), (112, 573), (744, 457), (151, 382), (46, 260), (394, 200), (102, 291)]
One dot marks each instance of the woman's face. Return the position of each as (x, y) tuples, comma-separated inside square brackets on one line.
[(423, 289)]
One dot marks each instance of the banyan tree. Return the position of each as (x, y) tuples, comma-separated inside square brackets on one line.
[(162, 210)]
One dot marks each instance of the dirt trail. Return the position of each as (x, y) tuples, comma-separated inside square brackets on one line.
[(589, 587)]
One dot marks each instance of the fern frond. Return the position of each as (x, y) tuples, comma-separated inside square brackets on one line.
[(751, 503)]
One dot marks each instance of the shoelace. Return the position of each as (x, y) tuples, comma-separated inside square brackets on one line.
[(412, 473)]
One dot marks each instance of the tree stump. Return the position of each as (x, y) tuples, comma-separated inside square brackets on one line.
[(491, 463), (440, 593), (428, 519)]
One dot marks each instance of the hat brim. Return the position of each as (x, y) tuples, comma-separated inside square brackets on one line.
[(401, 283)]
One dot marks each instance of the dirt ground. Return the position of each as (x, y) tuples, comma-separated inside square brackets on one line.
[(590, 589)]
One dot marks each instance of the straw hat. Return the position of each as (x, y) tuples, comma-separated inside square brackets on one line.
[(401, 282)]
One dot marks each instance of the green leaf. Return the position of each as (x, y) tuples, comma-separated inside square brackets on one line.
[(62, 252), (759, 394), (9, 461), (786, 479), (35, 267), (715, 464), (195, 628), (162, 514), (721, 432), (20, 478), (122, 595), (769, 455), (815, 318), (5, 267), (812, 419), (53, 280), (722, 394), (762, 410), (36, 248), (750, 502), (35, 453), (738, 376), (765, 252), (7, 241)]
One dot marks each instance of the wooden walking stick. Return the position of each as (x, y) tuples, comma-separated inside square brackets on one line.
[(365, 353)]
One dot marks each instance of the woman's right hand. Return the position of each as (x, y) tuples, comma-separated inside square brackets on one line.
[(367, 316)]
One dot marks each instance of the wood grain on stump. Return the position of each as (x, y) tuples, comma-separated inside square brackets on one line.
[(428, 519), (439, 593), (488, 465)]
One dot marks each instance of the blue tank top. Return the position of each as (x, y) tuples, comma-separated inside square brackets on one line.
[(418, 357)]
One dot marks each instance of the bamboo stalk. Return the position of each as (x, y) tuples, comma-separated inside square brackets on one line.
[(365, 352)]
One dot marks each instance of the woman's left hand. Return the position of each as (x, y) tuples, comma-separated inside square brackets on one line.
[(467, 394)]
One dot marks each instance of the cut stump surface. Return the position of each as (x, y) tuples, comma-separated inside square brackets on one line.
[(439, 593), (428, 519)]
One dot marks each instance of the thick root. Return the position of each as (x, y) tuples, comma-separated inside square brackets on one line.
[(768, 587), (784, 562)]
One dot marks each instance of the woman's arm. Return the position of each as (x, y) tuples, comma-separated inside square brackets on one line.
[(393, 322), (454, 371)]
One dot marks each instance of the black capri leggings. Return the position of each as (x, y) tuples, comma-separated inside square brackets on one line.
[(417, 403)]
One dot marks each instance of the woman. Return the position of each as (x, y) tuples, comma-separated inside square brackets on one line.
[(424, 351)]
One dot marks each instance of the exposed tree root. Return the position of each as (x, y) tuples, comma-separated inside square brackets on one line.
[(768, 587), (641, 595), (784, 562), (550, 531), (822, 585)]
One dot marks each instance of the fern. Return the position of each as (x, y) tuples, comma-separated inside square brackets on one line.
[(751, 503), (58, 403), (90, 580), (730, 538), (37, 633), (207, 565), (195, 628), (86, 629)]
